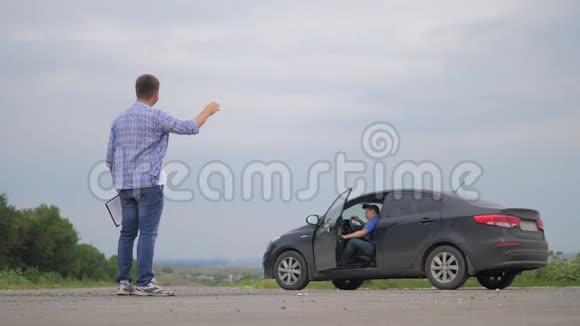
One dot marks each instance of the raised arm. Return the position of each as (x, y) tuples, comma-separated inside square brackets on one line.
[(186, 127), (207, 112)]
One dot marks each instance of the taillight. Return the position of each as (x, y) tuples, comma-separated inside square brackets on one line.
[(540, 224), (505, 221)]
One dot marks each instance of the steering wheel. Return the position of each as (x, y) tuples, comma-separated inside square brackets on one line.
[(347, 226)]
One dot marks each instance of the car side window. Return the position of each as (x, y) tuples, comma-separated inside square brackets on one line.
[(358, 211), (408, 204)]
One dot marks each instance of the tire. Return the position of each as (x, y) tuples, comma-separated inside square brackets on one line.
[(498, 280), (347, 285), (446, 268), (291, 271)]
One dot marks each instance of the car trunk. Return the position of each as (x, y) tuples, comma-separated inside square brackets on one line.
[(528, 228)]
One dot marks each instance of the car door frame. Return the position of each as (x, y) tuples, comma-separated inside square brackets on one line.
[(325, 238)]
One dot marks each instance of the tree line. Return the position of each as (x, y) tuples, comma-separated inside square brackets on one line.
[(41, 239)]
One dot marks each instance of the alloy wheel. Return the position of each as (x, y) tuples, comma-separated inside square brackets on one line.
[(289, 270), (444, 267)]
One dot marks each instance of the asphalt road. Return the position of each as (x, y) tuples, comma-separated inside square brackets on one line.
[(235, 306)]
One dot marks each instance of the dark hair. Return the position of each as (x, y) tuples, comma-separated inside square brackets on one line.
[(146, 86), (373, 207)]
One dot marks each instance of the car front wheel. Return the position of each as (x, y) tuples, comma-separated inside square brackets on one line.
[(347, 285), (498, 280), (445, 268), (291, 271)]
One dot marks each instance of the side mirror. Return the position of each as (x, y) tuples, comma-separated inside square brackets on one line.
[(313, 219)]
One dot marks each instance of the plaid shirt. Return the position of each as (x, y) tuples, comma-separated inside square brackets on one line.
[(138, 143)]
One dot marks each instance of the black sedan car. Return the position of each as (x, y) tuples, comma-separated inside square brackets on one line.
[(419, 234)]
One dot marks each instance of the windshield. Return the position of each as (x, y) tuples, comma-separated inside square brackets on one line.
[(335, 210)]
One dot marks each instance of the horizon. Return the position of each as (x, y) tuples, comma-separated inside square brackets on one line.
[(252, 261)]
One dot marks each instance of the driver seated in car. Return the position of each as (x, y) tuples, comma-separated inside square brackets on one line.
[(357, 244)]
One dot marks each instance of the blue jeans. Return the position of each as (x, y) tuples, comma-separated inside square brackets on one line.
[(142, 209)]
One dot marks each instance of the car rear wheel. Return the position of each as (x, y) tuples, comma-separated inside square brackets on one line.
[(497, 280), (347, 285), (291, 271), (445, 268)]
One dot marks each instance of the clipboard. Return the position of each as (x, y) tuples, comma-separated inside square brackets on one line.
[(115, 210)]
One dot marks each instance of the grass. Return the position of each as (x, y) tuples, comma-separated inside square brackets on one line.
[(526, 279), (14, 281), (407, 284), (17, 280), (558, 273)]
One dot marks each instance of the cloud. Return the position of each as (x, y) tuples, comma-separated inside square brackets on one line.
[(297, 81)]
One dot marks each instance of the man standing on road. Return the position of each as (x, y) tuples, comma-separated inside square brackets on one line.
[(137, 144)]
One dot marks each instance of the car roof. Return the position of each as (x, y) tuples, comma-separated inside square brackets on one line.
[(380, 194)]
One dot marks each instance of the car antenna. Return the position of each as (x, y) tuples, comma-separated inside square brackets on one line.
[(462, 183)]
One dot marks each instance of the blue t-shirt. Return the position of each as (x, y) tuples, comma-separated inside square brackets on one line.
[(370, 228)]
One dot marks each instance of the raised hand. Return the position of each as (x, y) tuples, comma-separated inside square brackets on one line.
[(209, 110), (212, 108)]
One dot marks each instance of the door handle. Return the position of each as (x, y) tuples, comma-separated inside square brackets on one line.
[(425, 220)]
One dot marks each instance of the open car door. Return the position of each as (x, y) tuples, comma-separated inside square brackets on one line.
[(325, 237)]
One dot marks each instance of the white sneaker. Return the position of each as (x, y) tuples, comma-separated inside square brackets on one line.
[(153, 289), (125, 288)]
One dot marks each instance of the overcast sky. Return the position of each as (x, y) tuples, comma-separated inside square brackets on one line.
[(495, 82)]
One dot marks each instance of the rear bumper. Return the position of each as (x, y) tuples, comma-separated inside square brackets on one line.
[(523, 259), (528, 254)]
